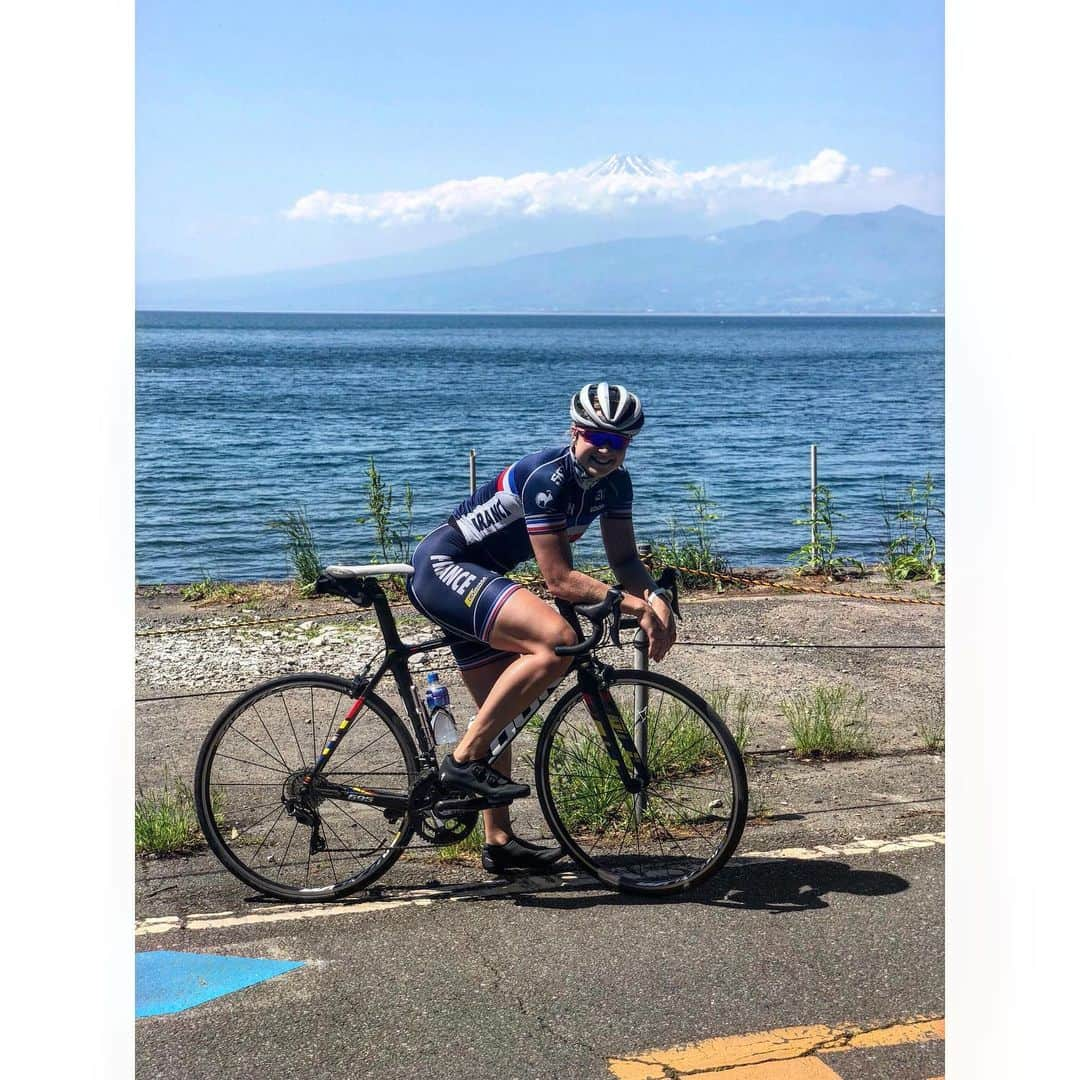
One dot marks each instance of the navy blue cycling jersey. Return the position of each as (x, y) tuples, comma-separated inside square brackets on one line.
[(545, 492)]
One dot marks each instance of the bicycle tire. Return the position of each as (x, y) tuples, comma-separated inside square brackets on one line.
[(237, 791), (695, 802)]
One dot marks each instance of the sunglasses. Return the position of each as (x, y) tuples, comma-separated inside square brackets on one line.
[(606, 440)]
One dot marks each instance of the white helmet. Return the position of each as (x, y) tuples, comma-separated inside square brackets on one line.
[(608, 408)]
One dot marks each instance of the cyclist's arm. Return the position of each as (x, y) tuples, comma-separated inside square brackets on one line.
[(631, 573), (656, 617), (553, 556)]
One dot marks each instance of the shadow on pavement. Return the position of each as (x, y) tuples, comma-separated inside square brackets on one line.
[(778, 886)]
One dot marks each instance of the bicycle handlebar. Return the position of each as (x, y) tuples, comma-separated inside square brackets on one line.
[(597, 614)]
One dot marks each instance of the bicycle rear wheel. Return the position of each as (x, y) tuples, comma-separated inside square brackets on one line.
[(251, 768), (688, 819)]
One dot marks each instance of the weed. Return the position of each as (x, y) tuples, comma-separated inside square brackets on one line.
[(930, 727), (733, 707), (818, 554), (829, 722), (210, 591), (910, 545), (589, 791), (689, 548), (165, 822), (300, 545), (466, 850), (393, 536)]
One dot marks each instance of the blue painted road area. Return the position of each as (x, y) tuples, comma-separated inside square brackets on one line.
[(169, 982)]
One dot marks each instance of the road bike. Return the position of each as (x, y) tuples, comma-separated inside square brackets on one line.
[(310, 786)]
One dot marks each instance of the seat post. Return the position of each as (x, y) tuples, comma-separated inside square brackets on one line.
[(387, 623)]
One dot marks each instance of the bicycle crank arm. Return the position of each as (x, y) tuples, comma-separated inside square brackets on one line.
[(449, 807)]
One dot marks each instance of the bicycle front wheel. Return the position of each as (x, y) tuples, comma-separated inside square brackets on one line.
[(250, 776), (685, 822)]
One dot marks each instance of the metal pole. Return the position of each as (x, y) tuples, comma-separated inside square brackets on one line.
[(641, 697), (472, 472), (813, 507)]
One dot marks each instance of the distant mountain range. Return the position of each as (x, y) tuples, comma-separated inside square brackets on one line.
[(889, 262)]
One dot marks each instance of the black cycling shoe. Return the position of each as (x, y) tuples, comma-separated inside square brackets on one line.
[(518, 854), (477, 778)]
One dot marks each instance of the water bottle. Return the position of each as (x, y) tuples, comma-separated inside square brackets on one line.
[(438, 703)]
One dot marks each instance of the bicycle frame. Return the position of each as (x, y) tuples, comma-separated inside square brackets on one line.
[(591, 679)]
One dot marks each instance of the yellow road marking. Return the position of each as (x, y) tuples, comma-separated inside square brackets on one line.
[(807, 1068), (779, 1054)]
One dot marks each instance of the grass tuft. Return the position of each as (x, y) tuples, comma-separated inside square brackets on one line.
[(300, 546), (733, 707), (586, 784), (464, 851), (829, 722), (211, 591), (165, 822), (930, 727), (690, 548)]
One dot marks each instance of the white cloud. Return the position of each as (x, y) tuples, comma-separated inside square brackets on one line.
[(606, 188)]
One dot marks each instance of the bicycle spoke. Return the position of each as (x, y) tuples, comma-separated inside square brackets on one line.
[(292, 836), (381, 735), (253, 764), (326, 851), (292, 728), (280, 756), (247, 783), (341, 809), (687, 822), (256, 824), (268, 832)]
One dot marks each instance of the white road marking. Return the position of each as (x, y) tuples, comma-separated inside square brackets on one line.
[(856, 847), (165, 924)]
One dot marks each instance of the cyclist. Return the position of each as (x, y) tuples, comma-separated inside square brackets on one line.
[(503, 636)]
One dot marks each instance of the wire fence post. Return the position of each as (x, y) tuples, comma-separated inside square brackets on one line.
[(813, 507), (641, 694), (472, 472)]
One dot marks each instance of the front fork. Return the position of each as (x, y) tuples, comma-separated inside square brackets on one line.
[(618, 740)]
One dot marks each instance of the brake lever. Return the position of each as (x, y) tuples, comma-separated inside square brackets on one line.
[(616, 618)]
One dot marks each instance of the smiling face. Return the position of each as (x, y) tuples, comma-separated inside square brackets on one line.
[(597, 461)]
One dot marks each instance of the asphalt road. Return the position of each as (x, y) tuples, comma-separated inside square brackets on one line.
[(558, 979)]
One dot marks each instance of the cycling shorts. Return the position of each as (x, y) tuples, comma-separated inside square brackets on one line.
[(461, 596)]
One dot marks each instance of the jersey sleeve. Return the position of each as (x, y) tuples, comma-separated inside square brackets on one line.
[(620, 500), (544, 495)]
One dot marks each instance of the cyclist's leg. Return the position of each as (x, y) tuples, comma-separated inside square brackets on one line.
[(479, 681), (525, 625), (489, 617)]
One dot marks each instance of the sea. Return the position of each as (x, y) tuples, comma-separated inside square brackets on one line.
[(244, 418)]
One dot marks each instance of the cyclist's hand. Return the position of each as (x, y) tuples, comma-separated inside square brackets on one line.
[(659, 625)]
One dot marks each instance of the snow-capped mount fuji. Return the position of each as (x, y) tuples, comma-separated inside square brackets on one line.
[(628, 165)]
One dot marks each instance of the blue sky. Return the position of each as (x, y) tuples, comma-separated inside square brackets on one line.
[(243, 109)]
